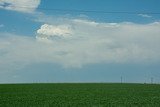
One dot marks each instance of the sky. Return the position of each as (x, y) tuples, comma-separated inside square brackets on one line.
[(79, 41)]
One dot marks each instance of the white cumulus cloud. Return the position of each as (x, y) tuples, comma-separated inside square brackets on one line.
[(48, 32), (27, 6)]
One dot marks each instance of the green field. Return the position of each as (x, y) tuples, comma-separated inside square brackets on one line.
[(79, 95)]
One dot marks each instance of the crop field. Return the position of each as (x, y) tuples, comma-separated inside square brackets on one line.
[(79, 95)]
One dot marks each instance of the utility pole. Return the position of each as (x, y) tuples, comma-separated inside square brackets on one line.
[(121, 79), (151, 80)]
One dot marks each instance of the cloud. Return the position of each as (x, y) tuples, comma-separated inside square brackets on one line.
[(145, 15), (50, 32), (1, 25), (82, 42), (26, 6)]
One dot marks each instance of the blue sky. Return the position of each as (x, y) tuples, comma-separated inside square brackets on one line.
[(103, 5), (41, 43)]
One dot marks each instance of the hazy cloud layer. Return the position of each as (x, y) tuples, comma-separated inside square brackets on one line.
[(27, 6), (76, 42)]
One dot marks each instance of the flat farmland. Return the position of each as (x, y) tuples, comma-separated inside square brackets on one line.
[(79, 95)]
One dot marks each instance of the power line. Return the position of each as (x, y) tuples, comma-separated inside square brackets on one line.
[(85, 11), (95, 11)]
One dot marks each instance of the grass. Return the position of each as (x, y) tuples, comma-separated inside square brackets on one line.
[(79, 95)]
